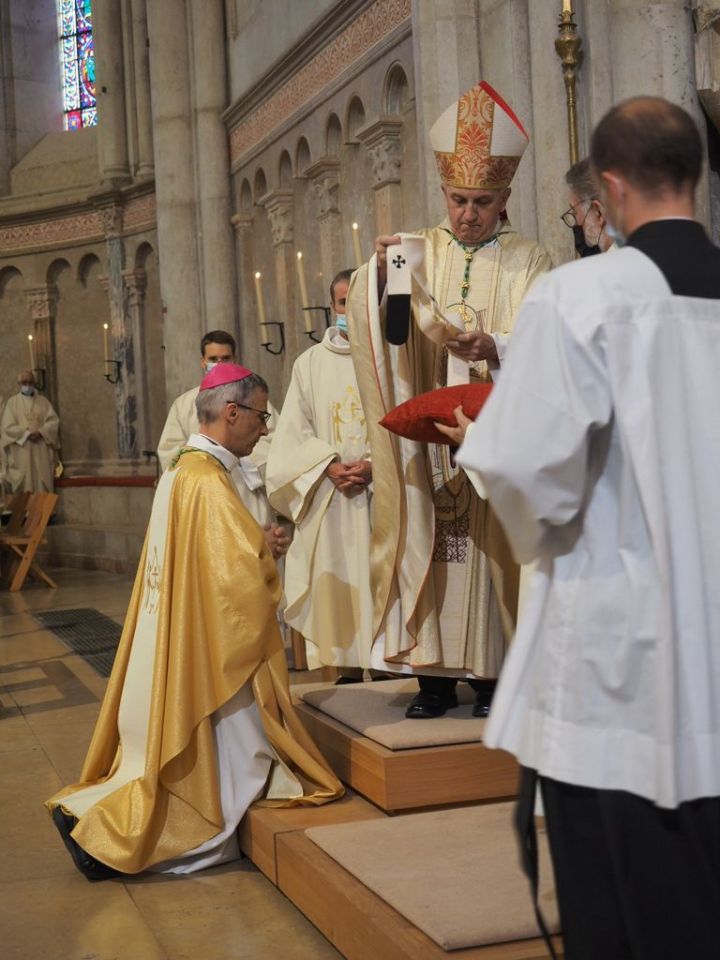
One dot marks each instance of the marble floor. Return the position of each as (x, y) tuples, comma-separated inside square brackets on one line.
[(49, 698)]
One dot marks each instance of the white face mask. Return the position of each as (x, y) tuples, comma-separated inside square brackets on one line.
[(210, 365), (27, 391)]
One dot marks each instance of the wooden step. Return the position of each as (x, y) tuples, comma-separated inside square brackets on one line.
[(411, 779), (361, 925)]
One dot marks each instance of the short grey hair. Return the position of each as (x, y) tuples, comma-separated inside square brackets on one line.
[(211, 403), (581, 181)]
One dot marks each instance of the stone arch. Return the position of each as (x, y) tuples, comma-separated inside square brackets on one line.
[(396, 90), (145, 249), (260, 185), (246, 198), (285, 171), (7, 275), (303, 158), (333, 135), (354, 119), (56, 269), (86, 264)]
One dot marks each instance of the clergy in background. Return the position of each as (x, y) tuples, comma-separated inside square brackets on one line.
[(319, 475), (29, 438), (197, 722), (218, 346), (443, 580), (599, 450)]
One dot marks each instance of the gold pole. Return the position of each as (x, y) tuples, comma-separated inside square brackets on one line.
[(567, 46)]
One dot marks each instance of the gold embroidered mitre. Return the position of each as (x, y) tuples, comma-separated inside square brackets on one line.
[(478, 141)]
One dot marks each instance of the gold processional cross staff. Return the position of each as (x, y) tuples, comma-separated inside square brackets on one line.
[(568, 45)]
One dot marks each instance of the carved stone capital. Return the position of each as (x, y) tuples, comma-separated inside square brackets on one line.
[(135, 283), (382, 141), (325, 180), (112, 220), (241, 222), (42, 301), (279, 207)]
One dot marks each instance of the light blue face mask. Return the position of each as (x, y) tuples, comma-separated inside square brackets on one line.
[(210, 365), (27, 391), (341, 322), (617, 236)]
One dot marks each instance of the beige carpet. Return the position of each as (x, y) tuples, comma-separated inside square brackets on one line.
[(453, 873), (377, 710)]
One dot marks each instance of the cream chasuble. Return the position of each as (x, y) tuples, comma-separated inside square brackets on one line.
[(327, 581), (248, 476), (197, 718), (443, 579), (30, 464)]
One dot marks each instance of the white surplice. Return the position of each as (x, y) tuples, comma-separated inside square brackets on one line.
[(600, 452), (248, 475), (327, 568), (30, 464)]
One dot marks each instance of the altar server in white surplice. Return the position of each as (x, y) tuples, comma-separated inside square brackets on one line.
[(600, 452), (319, 475), (29, 438)]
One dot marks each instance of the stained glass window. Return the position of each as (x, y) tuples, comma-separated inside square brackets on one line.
[(77, 63)]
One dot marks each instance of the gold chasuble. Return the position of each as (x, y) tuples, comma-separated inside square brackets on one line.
[(443, 579), (200, 626)]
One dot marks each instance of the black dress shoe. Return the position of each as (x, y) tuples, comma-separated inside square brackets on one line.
[(425, 706), (483, 701), (90, 868), (342, 680)]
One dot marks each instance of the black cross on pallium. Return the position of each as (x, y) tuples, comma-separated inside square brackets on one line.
[(399, 261)]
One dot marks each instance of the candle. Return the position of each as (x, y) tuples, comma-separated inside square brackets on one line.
[(262, 319), (32, 352), (567, 6), (106, 351), (356, 243), (304, 299)]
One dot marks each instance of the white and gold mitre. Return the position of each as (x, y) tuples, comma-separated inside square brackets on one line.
[(478, 141)]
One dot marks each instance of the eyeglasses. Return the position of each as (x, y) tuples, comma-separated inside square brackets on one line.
[(263, 414), (569, 218)]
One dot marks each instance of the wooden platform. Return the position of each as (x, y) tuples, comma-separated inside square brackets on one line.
[(361, 925), (411, 779), (261, 826)]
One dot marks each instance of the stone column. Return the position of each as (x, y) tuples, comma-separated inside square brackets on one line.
[(325, 183), (209, 96), (382, 140), (285, 305), (249, 344), (121, 340), (42, 302), (447, 63), (180, 286), (653, 53), (141, 65), (135, 285), (112, 121)]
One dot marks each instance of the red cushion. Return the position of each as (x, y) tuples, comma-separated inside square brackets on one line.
[(415, 419)]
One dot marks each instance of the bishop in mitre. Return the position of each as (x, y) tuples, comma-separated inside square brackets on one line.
[(218, 346), (319, 474), (443, 579), (29, 438), (197, 722)]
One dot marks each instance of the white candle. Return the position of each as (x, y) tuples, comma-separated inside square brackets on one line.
[(106, 351), (32, 352), (304, 299), (262, 319), (356, 243)]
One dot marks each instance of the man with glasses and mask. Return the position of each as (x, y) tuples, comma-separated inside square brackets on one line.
[(599, 450), (197, 721), (218, 346), (319, 474), (586, 214), (29, 438)]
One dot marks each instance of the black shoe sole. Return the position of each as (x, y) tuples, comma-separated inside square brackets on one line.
[(92, 869)]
